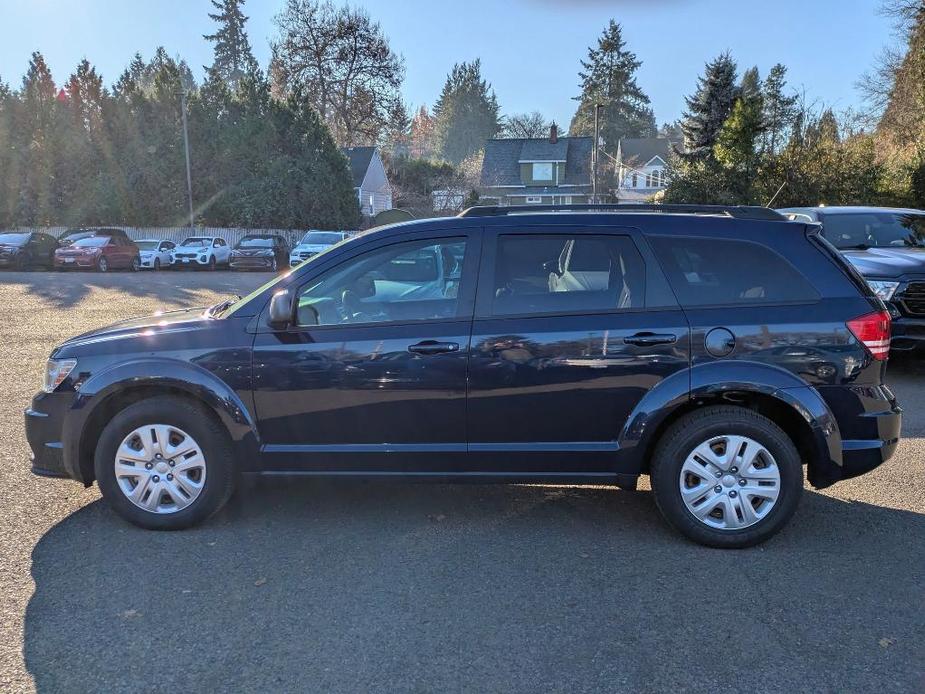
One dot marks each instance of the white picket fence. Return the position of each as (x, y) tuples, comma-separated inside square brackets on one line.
[(177, 234)]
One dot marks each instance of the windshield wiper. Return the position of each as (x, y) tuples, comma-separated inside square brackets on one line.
[(858, 247), (222, 306)]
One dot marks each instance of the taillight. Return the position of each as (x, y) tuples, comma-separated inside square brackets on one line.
[(873, 331)]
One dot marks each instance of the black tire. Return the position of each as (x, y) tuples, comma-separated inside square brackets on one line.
[(274, 266), (102, 265), (136, 264), (693, 429), (212, 263), (157, 264), (202, 426)]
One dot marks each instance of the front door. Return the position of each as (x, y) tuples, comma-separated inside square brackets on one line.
[(372, 376), (570, 334)]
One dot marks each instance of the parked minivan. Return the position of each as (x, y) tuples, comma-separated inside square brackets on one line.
[(718, 350)]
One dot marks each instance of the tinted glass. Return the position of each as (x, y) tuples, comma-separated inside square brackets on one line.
[(871, 229), (706, 272), (404, 282), (565, 274), (255, 242), (146, 245), (322, 237), (92, 242), (14, 239), (196, 241)]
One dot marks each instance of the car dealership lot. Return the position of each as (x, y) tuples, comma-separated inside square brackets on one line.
[(358, 586)]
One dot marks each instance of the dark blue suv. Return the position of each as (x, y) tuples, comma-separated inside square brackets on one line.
[(717, 350)]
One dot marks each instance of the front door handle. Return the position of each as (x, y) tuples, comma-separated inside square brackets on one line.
[(433, 347), (647, 339)]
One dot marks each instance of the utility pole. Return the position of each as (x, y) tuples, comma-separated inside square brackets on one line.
[(594, 151), (189, 177)]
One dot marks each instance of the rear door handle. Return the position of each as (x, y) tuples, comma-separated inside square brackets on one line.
[(433, 347), (646, 339)]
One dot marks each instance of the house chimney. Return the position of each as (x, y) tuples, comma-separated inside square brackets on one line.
[(553, 133)]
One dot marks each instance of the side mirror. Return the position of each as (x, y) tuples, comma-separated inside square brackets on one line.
[(280, 313)]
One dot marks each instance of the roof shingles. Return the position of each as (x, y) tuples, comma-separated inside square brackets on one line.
[(501, 165)]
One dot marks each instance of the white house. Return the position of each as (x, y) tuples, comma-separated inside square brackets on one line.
[(374, 192), (641, 164)]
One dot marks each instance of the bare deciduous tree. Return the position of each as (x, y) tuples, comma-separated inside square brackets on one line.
[(525, 125), (341, 63)]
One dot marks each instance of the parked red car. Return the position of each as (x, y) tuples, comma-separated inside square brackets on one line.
[(102, 253)]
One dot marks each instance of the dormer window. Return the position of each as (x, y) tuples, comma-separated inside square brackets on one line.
[(542, 171)]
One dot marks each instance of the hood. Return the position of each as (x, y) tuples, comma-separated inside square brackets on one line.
[(887, 262), (169, 321), (193, 249), (312, 247)]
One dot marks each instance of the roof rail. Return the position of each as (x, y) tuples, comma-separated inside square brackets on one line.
[(737, 211)]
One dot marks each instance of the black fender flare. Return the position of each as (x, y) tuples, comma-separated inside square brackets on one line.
[(714, 380), (158, 372)]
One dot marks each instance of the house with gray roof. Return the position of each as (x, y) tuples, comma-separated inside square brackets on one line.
[(373, 190), (641, 163), (534, 171)]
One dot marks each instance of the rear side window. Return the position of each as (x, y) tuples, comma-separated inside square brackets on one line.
[(543, 274), (712, 271)]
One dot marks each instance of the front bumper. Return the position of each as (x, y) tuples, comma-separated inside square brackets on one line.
[(252, 262), (44, 426), (8, 260), (76, 261), (189, 262), (148, 263)]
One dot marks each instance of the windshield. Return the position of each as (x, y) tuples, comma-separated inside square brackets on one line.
[(322, 237), (255, 242), (14, 239), (874, 230), (196, 241), (92, 241), (147, 245)]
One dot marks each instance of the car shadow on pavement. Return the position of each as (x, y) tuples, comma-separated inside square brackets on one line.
[(315, 586), (68, 289)]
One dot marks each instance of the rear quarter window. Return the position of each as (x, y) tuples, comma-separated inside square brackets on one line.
[(714, 272)]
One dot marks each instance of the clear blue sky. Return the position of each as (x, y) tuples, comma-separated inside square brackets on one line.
[(529, 48)]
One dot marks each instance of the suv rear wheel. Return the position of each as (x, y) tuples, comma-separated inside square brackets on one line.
[(726, 477), (164, 464)]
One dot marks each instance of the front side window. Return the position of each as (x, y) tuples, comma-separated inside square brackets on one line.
[(542, 171), (713, 271), (542, 274), (417, 280)]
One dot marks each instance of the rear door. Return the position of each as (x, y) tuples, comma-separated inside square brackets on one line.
[(573, 327)]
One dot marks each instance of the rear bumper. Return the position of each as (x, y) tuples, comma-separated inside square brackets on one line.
[(870, 422)]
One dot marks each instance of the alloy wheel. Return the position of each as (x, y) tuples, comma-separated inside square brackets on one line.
[(730, 482), (160, 468)]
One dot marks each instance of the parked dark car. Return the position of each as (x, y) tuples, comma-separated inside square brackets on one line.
[(22, 250), (101, 253), (260, 252), (545, 345), (71, 235), (887, 247)]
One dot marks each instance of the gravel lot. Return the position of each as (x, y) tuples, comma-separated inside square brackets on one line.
[(355, 587)]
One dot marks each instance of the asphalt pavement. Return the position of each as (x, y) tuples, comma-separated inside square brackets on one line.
[(349, 586)]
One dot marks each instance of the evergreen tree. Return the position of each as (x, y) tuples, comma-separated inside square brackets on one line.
[(736, 149), (780, 109), (608, 77), (422, 134), (466, 114), (37, 194), (396, 139), (710, 106), (233, 56)]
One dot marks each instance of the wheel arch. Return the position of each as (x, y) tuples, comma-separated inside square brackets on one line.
[(105, 394), (788, 401)]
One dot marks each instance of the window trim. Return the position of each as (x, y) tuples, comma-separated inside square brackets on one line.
[(766, 248), (465, 303), (486, 280), (533, 199)]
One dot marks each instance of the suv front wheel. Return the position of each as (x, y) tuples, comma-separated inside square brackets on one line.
[(164, 464), (726, 477)]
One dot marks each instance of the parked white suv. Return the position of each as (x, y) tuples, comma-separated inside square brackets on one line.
[(313, 243), (203, 251), (155, 253)]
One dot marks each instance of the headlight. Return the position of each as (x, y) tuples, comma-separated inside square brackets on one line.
[(56, 371), (883, 289)]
